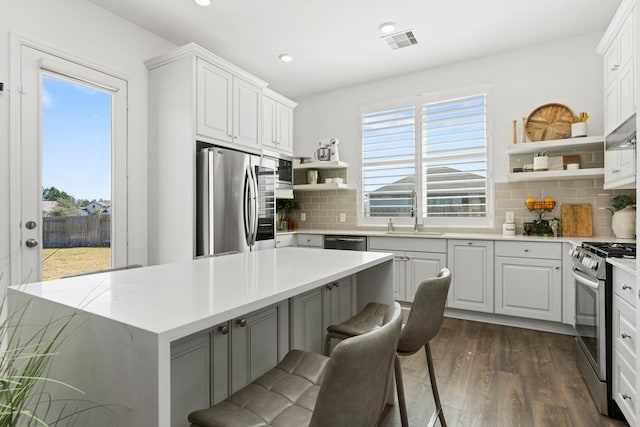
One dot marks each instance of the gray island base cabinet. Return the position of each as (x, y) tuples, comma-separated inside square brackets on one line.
[(150, 343)]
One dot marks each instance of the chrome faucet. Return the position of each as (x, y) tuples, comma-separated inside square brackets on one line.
[(414, 210)]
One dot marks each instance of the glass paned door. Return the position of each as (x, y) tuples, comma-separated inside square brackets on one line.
[(76, 178)]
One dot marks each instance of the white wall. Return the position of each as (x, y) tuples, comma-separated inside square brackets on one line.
[(82, 30), (567, 71)]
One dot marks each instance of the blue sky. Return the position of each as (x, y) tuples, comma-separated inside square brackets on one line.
[(76, 139)]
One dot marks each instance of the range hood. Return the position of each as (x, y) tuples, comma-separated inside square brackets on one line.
[(623, 137)]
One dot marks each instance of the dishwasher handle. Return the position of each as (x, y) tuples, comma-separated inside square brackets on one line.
[(345, 239)]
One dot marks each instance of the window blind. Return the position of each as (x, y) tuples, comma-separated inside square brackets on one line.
[(454, 157), (388, 161)]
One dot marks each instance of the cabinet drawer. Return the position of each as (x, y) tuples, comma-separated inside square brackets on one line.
[(529, 249), (624, 284), (314, 240), (416, 244), (624, 329), (624, 392), (284, 240)]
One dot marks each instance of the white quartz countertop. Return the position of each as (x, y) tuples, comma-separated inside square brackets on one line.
[(175, 300), (625, 264), (446, 235)]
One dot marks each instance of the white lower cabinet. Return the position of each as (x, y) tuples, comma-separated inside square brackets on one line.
[(624, 343), (313, 311), (471, 266), (415, 260), (310, 240), (529, 280), (208, 366), (529, 287)]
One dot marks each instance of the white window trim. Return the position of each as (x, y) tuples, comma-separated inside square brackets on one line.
[(467, 222)]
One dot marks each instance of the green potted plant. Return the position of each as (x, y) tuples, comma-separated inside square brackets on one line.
[(284, 207), (623, 222)]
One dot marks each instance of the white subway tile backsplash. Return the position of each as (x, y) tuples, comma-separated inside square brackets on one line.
[(323, 208)]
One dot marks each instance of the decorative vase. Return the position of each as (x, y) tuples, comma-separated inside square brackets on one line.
[(623, 223)]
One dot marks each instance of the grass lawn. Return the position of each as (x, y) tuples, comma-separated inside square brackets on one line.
[(60, 262)]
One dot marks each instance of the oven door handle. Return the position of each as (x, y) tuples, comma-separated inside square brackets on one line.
[(584, 279)]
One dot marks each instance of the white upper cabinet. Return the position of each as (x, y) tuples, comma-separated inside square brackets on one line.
[(618, 50), (277, 122), (228, 107)]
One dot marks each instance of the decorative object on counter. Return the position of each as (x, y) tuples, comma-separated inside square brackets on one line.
[(579, 128), (284, 207), (577, 220), (304, 160), (509, 226), (541, 161), (312, 176), (550, 121), (623, 222), (554, 224), (390, 225), (515, 131), (540, 226)]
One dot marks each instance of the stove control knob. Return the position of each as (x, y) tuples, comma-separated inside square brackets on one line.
[(572, 252)]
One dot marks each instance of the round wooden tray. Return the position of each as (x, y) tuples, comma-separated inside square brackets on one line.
[(549, 121)]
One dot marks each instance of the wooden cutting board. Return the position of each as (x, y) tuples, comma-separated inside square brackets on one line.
[(577, 219)]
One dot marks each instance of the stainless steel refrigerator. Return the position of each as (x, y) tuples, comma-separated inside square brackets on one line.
[(235, 201)]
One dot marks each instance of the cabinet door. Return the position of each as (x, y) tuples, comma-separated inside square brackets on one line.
[(421, 266), (307, 329), (214, 94), (471, 265), (338, 302), (190, 373), (399, 273), (285, 128), (529, 287), (246, 113), (610, 107), (269, 112), (254, 346)]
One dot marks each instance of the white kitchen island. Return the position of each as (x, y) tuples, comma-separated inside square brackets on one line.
[(119, 348)]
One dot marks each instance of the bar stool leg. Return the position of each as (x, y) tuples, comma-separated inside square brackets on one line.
[(434, 387), (400, 390)]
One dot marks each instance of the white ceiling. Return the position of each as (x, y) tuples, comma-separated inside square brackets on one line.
[(337, 43)]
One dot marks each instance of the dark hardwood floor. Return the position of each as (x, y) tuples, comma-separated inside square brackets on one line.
[(490, 375)]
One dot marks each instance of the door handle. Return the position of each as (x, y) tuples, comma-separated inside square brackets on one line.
[(30, 225), (31, 243)]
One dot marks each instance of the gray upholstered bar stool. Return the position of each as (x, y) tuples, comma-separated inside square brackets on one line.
[(347, 389), (422, 326)]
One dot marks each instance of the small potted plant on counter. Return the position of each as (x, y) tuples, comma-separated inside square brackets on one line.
[(623, 222), (284, 207)]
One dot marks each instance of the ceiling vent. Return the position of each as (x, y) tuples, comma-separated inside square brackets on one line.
[(400, 40)]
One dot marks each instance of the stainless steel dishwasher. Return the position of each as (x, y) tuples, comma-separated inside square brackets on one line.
[(345, 243)]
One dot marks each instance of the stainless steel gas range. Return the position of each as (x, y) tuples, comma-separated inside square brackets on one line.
[(594, 296)]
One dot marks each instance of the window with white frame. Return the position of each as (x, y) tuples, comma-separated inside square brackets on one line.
[(427, 157)]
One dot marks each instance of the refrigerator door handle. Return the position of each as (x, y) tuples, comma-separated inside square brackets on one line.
[(254, 181), (247, 205)]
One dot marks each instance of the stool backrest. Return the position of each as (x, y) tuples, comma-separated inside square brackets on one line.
[(426, 313), (354, 390)]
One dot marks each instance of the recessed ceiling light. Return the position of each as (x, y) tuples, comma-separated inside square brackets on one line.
[(285, 57), (387, 27), (202, 2)]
